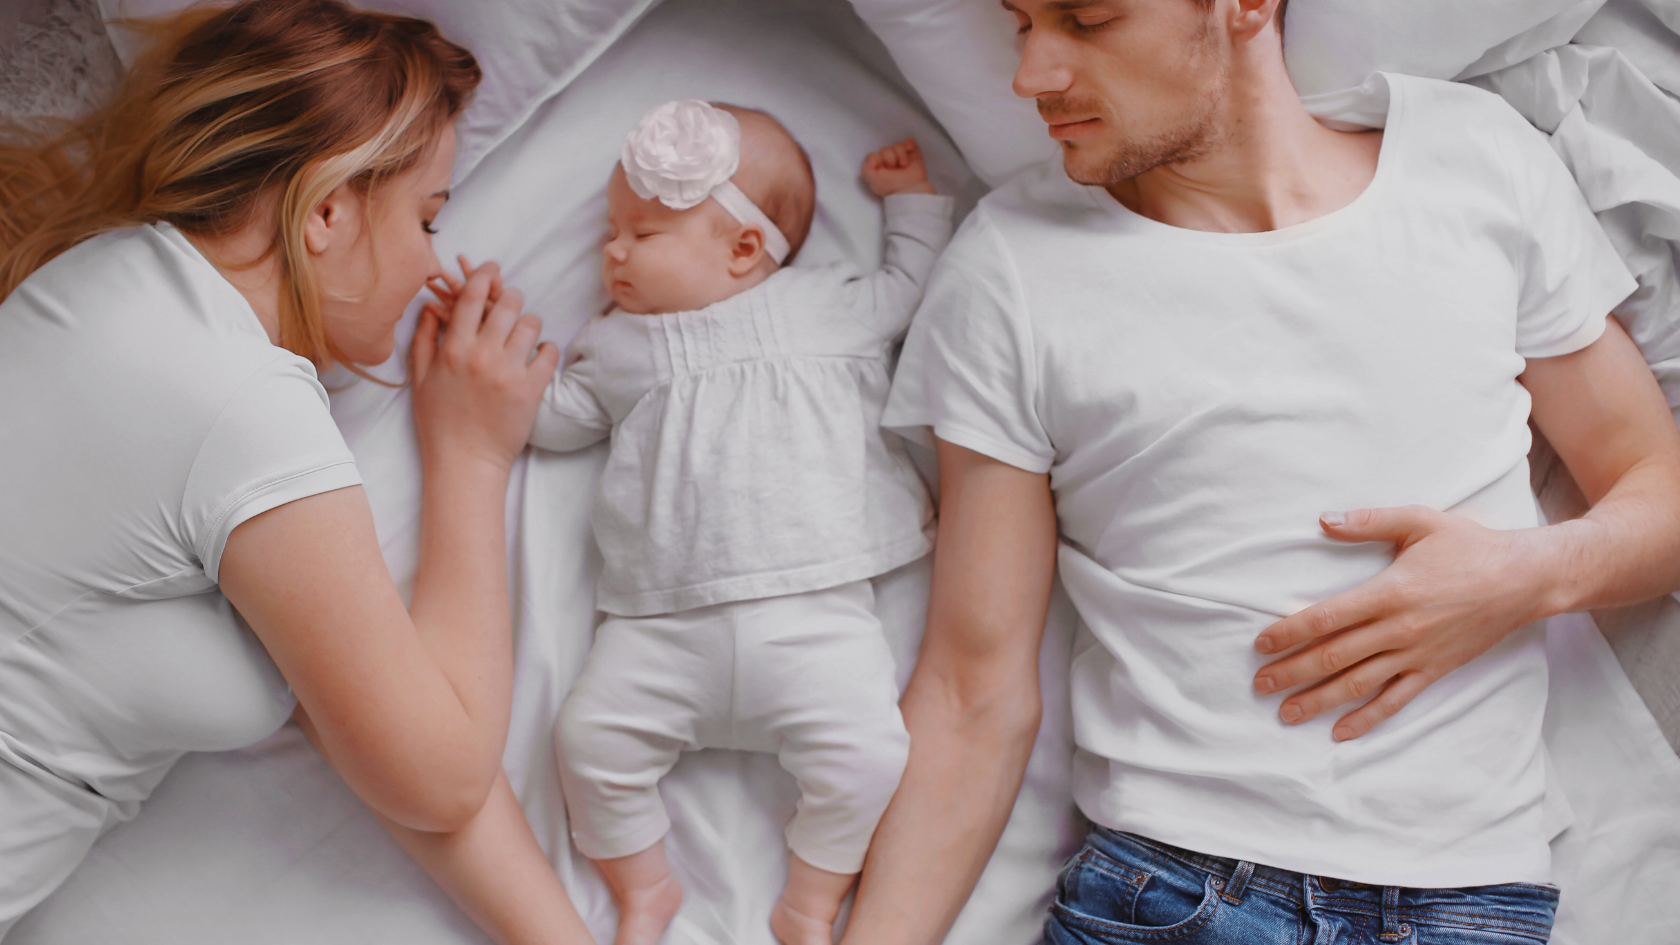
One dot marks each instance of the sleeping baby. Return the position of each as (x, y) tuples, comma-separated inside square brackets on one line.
[(749, 497)]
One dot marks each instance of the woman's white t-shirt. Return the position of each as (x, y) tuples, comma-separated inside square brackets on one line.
[(144, 415), (1199, 398)]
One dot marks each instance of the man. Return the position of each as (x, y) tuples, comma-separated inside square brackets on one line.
[(1158, 360)]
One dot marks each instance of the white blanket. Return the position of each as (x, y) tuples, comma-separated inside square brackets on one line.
[(267, 845)]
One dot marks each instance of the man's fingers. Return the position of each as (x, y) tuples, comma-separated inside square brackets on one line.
[(1364, 603), (1402, 525), (1357, 683), (1401, 690), (1329, 656)]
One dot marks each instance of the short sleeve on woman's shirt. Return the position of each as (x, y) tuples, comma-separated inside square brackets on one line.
[(274, 442), (1571, 276), (968, 373)]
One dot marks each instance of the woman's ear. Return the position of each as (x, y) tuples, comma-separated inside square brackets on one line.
[(747, 251), (332, 221)]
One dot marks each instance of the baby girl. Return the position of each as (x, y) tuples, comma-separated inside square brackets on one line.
[(749, 497)]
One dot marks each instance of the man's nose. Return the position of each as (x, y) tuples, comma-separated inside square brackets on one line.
[(1044, 69)]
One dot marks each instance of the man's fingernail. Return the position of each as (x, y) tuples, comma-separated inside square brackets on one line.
[(1264, 684), (1290, 713), (1264, 644), (1333, 518)]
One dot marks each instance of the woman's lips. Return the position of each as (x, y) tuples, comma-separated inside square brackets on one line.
[(1063, 131)]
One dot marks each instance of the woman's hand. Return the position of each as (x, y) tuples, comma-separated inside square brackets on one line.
[(476, 381)]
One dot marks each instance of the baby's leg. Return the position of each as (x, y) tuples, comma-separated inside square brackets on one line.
[(820, 681), (809, 905), (634, 710), (648, 896)]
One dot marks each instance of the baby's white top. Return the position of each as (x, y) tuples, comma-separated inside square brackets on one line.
[(747, 456)]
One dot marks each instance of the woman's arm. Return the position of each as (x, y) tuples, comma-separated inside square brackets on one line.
[(411, 705)]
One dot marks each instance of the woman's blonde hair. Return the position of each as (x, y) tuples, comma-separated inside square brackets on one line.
[(254, 104)]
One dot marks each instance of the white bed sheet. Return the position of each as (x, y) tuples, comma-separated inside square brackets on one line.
[(266, 845)]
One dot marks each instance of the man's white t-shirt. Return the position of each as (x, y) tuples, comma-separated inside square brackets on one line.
[(1199, 398)]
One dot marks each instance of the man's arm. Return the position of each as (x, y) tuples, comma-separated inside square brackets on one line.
[(972, 705), (1456, 588)]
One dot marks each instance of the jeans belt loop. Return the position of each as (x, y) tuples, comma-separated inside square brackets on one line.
[(1392, 930), (1239, 882)]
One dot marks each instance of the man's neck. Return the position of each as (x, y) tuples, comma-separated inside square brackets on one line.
[(1268, 163)]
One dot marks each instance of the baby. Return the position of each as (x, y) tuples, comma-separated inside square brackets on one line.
[(749, 497)]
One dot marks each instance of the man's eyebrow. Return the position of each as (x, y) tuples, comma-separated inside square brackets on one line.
[(1059, 6)]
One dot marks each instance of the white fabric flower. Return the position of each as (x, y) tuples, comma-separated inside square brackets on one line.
[(680, 151)]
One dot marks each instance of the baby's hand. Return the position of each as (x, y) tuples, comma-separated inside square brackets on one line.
[(897, 169)]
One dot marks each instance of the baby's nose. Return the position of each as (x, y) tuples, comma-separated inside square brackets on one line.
[(617, 251)]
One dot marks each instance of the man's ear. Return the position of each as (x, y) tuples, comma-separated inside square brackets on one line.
[(746, 251), (1251, 16), (332, 222)]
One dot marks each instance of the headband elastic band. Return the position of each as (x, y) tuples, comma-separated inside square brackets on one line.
[(747, 213)]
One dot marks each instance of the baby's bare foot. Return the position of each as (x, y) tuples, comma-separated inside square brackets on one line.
[(644, 913), (793, 927)]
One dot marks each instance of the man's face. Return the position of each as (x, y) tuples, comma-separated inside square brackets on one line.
[(1125, 85)]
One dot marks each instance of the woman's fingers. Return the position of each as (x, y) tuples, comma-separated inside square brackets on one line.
[(502, 316), (524, 335), (467, 269), (468, 312), (424, 346), (547, 360)]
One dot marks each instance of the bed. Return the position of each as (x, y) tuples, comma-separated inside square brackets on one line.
[(266, 845)]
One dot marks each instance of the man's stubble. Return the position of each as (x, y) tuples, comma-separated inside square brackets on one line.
[(1195, 135)]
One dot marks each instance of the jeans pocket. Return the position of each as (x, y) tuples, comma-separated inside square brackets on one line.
[(1101, 900)]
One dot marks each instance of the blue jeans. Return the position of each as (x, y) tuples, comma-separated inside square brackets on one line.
[(1124, 888)]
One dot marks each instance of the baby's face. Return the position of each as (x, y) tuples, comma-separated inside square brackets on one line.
[(661, 260)]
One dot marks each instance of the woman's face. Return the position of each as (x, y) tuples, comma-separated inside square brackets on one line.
[(378, 253)]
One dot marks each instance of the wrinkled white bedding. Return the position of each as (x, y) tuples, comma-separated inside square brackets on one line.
[(267, 845)]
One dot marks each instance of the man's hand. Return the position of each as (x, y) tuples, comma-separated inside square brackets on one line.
[(897, 169), (1454, 590)]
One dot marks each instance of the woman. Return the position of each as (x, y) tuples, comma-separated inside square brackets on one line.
[(255, 204)]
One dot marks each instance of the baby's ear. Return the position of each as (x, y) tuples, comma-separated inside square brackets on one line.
[(747, 251)]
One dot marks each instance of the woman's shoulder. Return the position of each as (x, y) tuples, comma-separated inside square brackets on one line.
[(138, 307)]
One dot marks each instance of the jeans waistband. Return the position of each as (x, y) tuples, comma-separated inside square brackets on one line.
[(1523, 907)]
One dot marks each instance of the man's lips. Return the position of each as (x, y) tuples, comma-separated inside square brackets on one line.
[(1064, 130)]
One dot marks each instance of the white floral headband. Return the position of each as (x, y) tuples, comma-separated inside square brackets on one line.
[(685, 151)]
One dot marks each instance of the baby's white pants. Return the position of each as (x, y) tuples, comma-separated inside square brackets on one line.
[(806, 676)]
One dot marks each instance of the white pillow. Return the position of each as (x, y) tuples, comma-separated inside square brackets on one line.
[(1333, 45), (528, 49), (960, 56)]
